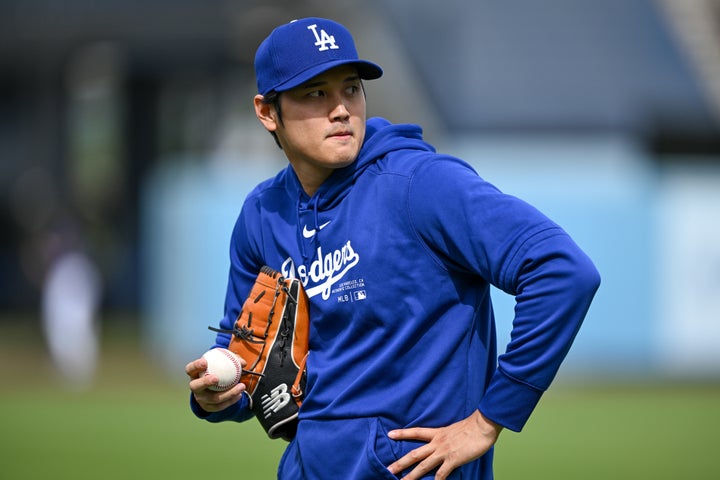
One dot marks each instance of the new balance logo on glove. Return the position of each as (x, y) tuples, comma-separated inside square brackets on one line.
[(275, 400)]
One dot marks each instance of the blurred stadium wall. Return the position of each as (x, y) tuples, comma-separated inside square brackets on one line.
[(131, 124)]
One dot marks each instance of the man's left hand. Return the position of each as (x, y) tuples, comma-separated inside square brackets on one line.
[(446, 448)]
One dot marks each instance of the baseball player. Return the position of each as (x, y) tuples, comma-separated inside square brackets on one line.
[(396, 247)]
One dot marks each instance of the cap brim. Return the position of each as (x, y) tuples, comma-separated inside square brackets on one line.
[(366, 70)]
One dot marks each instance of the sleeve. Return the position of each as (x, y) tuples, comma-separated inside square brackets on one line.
[(468, 224), (245, 263)]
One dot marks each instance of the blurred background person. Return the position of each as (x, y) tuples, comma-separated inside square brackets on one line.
[(71, 297)]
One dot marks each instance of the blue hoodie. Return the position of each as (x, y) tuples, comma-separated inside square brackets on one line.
[(397, 253)]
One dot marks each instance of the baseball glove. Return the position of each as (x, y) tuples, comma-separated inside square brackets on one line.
[(271, 334)]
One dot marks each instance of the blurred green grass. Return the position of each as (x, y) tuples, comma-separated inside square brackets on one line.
[(135, 423), (617, 431)]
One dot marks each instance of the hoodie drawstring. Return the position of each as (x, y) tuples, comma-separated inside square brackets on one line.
[(299, 228), (313, 204)]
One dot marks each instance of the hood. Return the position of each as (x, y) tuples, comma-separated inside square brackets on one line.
[(381, 138)]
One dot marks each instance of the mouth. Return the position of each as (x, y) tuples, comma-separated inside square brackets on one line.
[(341, 134)]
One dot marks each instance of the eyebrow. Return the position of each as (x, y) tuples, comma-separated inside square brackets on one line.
[(319, 83)]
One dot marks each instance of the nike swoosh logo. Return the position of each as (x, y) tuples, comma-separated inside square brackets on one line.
[(310, 233)]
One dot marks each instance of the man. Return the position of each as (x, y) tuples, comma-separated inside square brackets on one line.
[(397, 247)]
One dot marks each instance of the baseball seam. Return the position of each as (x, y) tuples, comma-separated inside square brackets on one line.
[(234, 360)]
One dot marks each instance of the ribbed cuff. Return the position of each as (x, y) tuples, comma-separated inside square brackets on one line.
[(508, 402), (237, 412)]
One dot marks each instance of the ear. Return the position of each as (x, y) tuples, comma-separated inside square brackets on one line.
[(265, 113)]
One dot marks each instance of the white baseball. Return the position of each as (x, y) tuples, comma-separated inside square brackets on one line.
[(225, 365)]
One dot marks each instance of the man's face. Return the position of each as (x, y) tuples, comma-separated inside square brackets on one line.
[(323, 124)]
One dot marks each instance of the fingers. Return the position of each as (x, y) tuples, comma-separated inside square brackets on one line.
[(212, 401), (417, 433), (196, 367), (198, 380), (446, 448), (426, 459), (203, 382), (422, 457)]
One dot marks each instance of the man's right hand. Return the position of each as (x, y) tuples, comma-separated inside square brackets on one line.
[(210, 400)]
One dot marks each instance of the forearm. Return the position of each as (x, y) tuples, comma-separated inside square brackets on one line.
[(555, 290)]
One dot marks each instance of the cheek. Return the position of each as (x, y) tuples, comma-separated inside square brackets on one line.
[(303, 140), (359, 128), (297, 134)]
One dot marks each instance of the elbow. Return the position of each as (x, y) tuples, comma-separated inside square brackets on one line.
[(586, 277)]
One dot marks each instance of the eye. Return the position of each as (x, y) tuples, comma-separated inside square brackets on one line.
[(315, 93), (353, 89)]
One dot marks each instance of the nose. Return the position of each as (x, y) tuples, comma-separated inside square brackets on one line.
[(339, 112)]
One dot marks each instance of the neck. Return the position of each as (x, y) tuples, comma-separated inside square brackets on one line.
[(311, 179)]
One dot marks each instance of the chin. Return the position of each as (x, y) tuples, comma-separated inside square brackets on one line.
[(343, 159), (347, 160)]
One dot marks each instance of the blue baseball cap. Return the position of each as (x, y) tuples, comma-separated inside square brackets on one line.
[(302, 49)]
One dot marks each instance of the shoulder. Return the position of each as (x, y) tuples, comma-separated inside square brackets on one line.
[(431, 170), (269, 190), (412, 163), (268, 185)]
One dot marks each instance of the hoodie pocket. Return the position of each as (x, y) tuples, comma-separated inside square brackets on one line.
[(380, 450)]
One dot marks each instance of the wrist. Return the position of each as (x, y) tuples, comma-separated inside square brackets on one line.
[(487, 427)]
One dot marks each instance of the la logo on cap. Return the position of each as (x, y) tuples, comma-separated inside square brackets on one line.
[(323, 40)]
